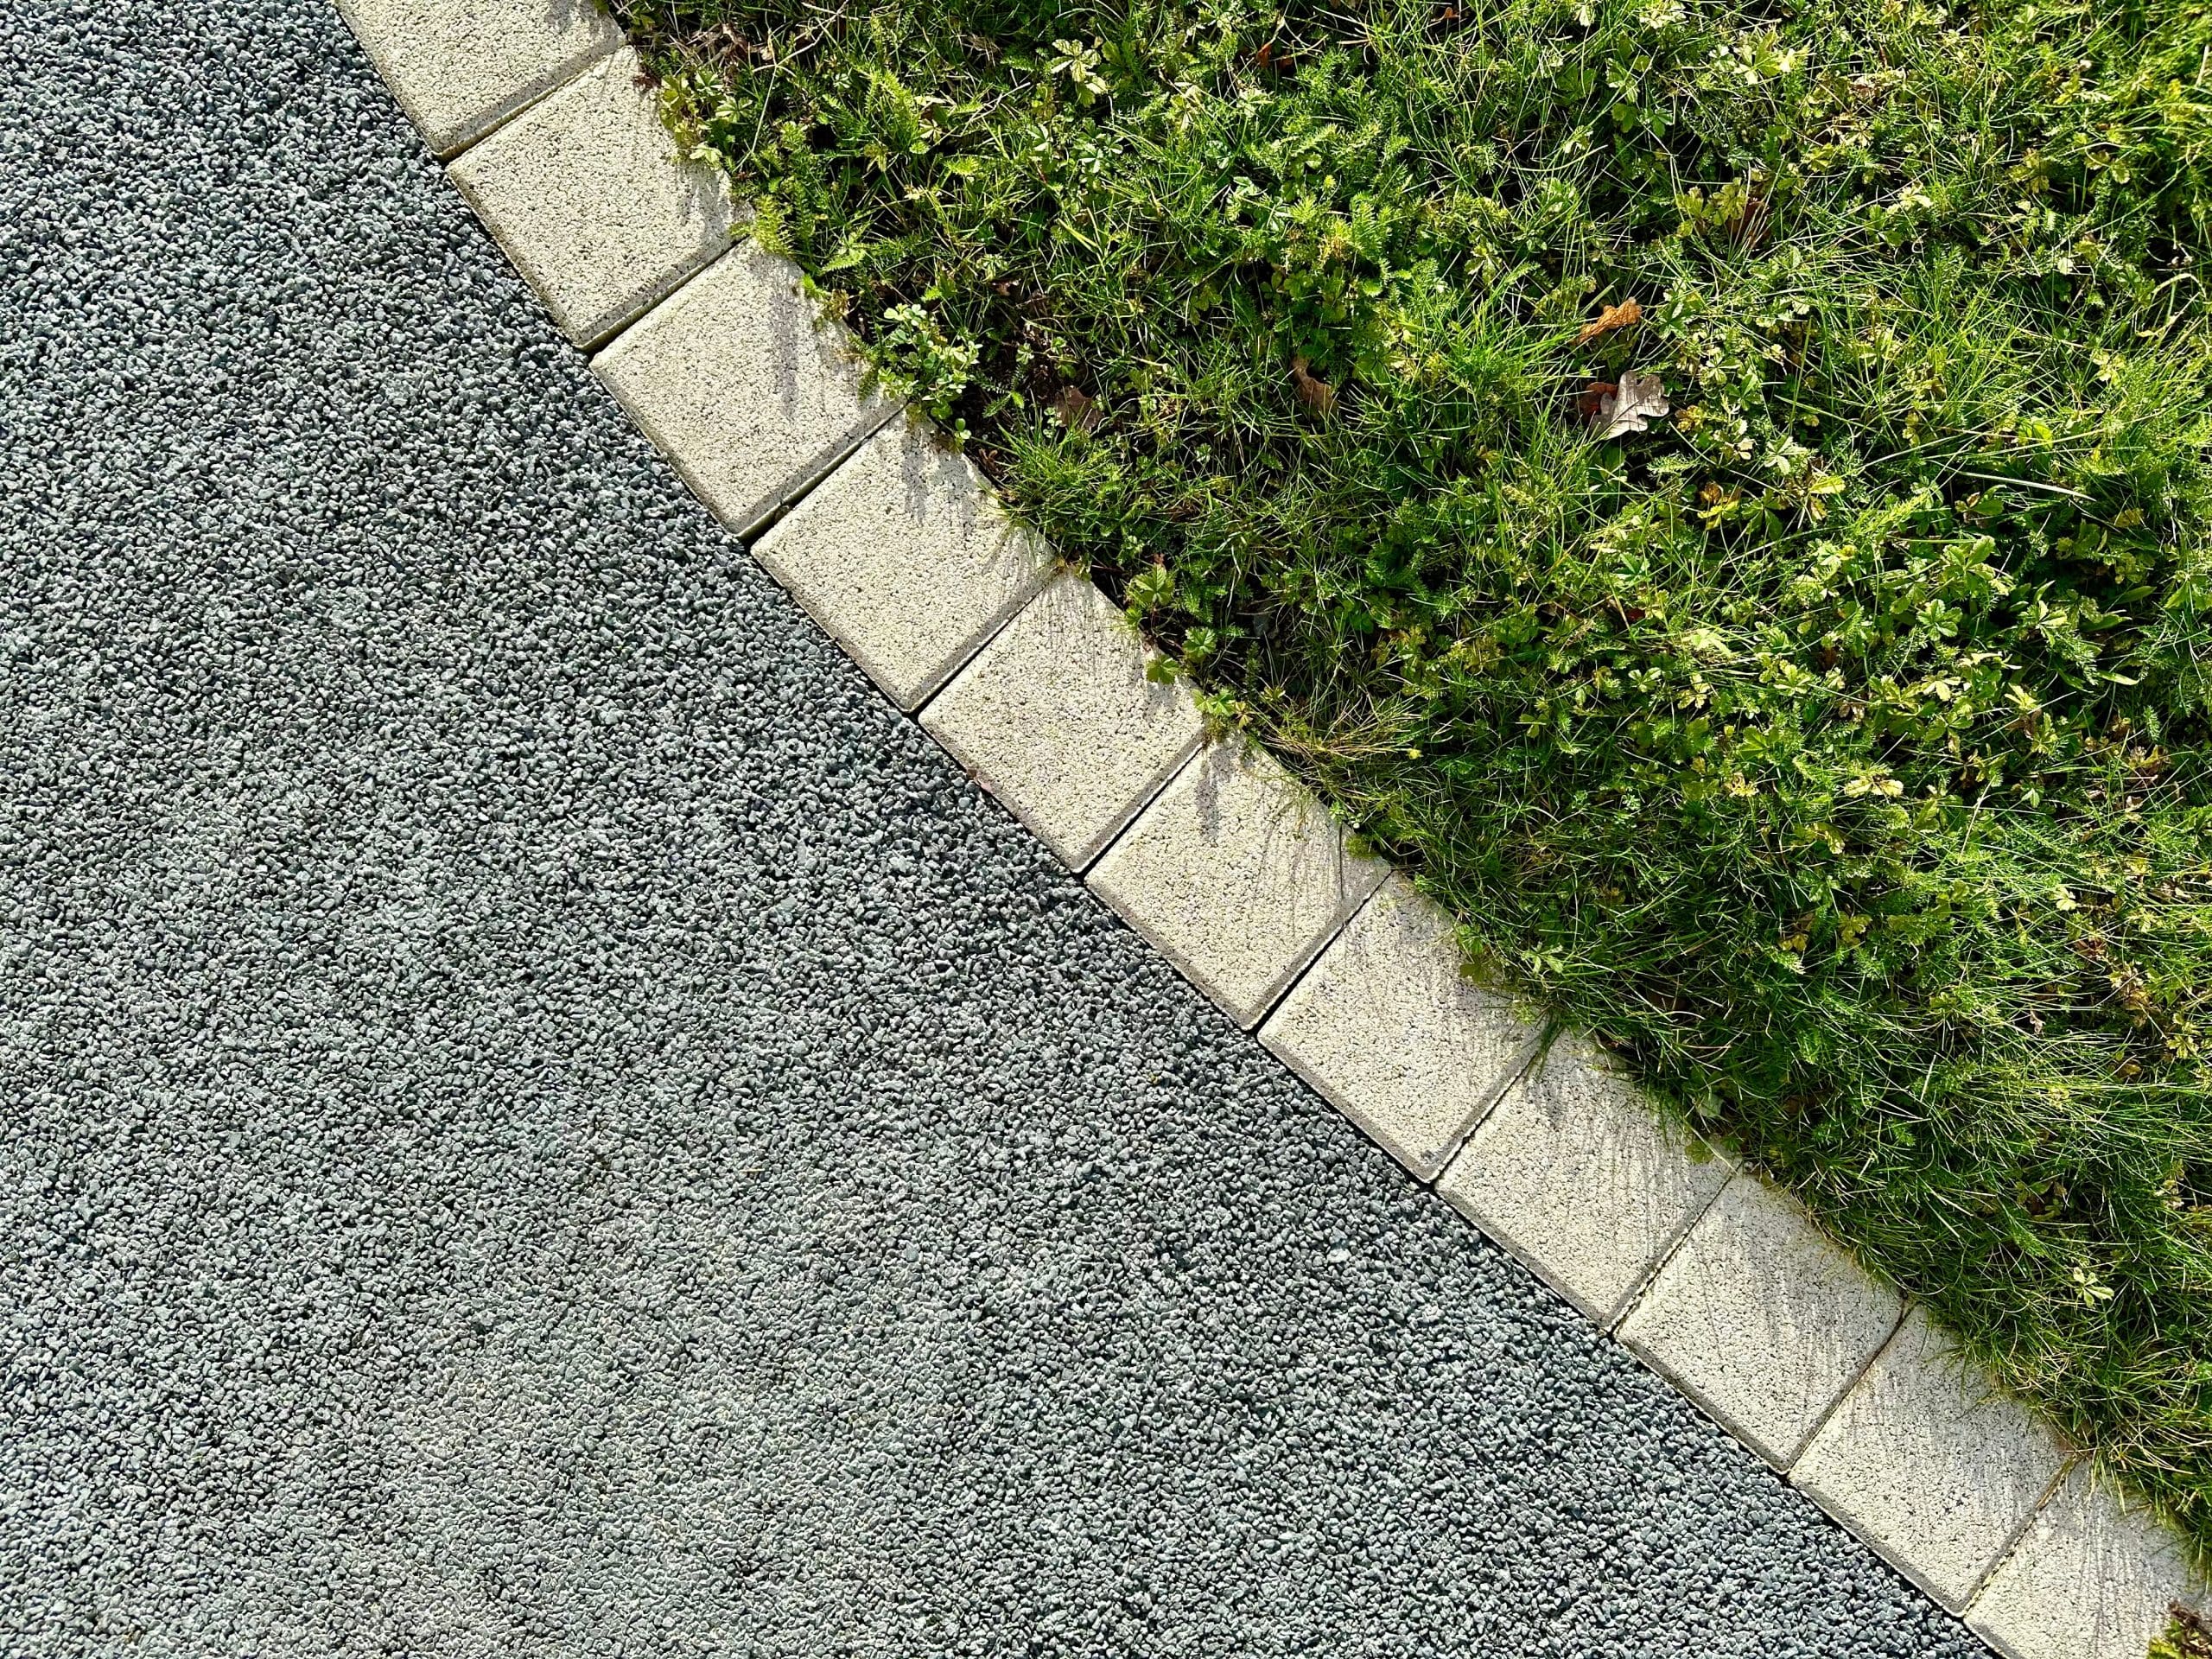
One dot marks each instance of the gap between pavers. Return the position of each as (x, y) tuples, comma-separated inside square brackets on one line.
[(584, 191), (1233, 870), (1928, 1466), (481, 67), (1390, 1030), (1576, 1174)]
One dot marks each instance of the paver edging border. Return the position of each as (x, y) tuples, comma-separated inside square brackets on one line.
[(1234, 871)]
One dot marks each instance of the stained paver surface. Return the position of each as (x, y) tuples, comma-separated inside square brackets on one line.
[(542, 1117)]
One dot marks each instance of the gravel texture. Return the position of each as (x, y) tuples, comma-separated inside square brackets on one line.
[(544, 1118)]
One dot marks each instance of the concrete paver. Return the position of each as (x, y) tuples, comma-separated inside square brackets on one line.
[(1762, 1318), (1057, 718), (738, 384), (1238, 875), (1577, 1176), (584, 192), (1390, 1032), (2088, 1580), (460, 67), (1926, 1466), (903, 556)]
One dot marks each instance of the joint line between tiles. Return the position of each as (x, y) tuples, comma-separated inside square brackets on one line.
[(1642, 1289), (507, 118), (1492, 1098), (1904, 1309), (2051, 1488), (816, 473)]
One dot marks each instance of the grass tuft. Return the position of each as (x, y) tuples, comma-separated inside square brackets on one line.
[(1836, 746)]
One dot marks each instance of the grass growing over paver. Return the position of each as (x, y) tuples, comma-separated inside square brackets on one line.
[(1835, 744)]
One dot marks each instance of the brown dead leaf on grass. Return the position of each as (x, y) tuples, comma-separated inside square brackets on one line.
[(1316, 394), (1612, 317), (1616, 411), (1077, 412)]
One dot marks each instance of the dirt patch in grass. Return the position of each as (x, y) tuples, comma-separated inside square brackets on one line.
[(1718, 490)]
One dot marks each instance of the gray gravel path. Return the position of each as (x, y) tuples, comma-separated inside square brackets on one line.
[(542, 1118)]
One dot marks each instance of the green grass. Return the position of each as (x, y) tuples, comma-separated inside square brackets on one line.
[(1837, 748)]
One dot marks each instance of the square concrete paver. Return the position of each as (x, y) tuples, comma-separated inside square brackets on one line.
[(1929, 1467), (1389, 1032), (1760, 1318), (584, 192), (1238, 874), (460, 67), (1576, 1174), (2086, 1581), (733, 379), (903, 558), (1055, 718)]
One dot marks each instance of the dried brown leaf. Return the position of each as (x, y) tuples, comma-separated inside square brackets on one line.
[(1612, 317), (1639, 399), (1077, 412), (2193, 1625), (1316, 394)]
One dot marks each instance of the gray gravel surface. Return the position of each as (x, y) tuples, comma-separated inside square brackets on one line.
[(543, 1118)]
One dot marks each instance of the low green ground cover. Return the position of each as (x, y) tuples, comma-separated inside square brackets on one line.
[(1833, 743), (2186, 1638)]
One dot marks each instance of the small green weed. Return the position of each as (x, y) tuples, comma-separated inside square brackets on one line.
[(1836, 746), (2186, 1638)]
